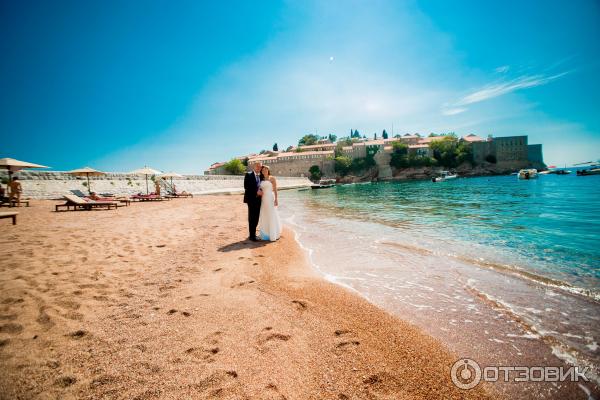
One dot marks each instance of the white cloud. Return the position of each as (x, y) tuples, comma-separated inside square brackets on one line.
[(453, 111), (499, 89), (502, 69)]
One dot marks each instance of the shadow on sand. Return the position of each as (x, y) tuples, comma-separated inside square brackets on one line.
[(242, 244)]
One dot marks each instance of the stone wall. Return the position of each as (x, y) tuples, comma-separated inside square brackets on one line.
[(53, 185), (300, 167)]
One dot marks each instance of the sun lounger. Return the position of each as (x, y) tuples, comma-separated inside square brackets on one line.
[(111, 197), (10, 214), (148, 197), (13, 203), (82, 204), (177, 195)]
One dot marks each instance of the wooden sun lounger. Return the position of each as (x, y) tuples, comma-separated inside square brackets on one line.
[(105, 197), (13, 203), (80, 204), (10, 214), (178, 195), (149, 198)]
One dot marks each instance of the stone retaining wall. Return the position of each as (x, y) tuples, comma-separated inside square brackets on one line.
[(52, 185)]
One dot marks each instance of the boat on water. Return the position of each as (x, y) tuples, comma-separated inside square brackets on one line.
[(324, 183), (591, 171), (444, 176), (588, 168), (528, 174), (555, 172)]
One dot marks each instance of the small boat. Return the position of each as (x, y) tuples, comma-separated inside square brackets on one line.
[(528, 174), (586, 172), (324, 183), (444, 176), (555, 172)]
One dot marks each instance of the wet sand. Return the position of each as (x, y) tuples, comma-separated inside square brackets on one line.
[(167, 300)]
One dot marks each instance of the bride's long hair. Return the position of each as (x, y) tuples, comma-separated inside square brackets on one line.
[(262, 176)]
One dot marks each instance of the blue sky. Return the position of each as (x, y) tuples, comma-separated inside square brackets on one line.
[(179, 85)]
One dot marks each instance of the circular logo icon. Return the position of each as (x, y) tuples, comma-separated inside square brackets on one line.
[(465, 374)]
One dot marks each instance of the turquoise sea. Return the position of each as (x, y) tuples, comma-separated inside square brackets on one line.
[(433, 253)]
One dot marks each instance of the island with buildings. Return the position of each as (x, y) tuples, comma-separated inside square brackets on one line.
[(409, 156)]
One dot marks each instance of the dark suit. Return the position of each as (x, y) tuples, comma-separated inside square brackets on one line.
[(252, 200)]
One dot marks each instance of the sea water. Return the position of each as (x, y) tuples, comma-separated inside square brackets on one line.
[(494, 266)]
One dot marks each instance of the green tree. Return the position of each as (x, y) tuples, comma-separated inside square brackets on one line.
[(399, 157), (450, 152), (234, 167), (332, 138), (315, 173), (342, 165), (308, 140), (375, 136), (384, 134), (275, 147), (245, 162)]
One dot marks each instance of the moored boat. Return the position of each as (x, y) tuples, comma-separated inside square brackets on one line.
[(444, 176), (324, 183), (528, 174)]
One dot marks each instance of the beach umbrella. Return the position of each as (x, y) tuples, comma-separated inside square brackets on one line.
[(87, 172), (13, 165), (170, 175), (145, 171)]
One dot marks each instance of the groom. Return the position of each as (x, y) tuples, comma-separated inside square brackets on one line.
[(252, 195)]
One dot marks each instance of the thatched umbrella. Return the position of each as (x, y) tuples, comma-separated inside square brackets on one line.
[(13, 165), (145, 171), (170, 175), (87, 172)]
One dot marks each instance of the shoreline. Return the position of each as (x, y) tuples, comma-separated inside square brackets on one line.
[(169, 301), (546, 351)]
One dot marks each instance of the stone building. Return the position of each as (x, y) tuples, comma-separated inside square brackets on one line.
[(298, 163), (217, 168), (535, 155), (510, 152)]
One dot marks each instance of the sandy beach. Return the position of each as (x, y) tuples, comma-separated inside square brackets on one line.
[(167, 300)]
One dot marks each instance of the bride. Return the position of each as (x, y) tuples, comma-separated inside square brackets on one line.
[(269, 224)]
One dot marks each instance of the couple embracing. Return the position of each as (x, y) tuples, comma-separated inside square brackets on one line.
[(260, 194)]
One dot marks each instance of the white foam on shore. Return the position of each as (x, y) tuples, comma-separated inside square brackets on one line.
[(309, 252)]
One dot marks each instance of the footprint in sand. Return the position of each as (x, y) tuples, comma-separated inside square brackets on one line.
[(78, 334), (346, 339), (269, 339), (385, 384), (274, 393), (11, 328), (219, 384), (208, 350), (300, 304), (241, 284), (65, 381)]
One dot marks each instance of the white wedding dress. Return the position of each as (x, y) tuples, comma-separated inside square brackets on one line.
[(269, 224)]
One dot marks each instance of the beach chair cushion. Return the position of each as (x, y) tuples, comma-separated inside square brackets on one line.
[(76, 200)]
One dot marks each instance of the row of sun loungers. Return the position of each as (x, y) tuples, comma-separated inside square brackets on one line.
[(80, 201)]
